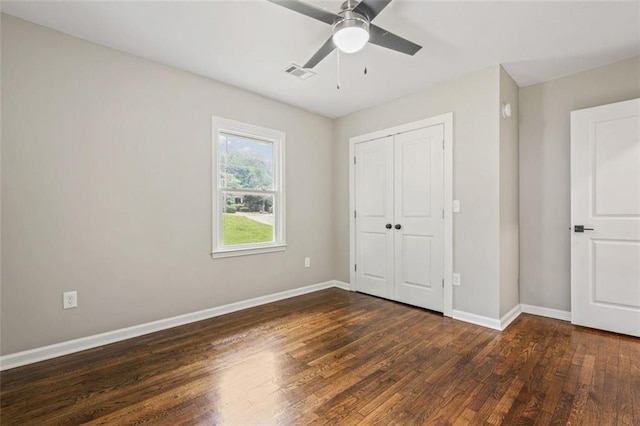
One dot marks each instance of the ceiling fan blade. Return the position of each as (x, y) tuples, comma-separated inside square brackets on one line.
[(308, 10), (371, 8), (384, 38), (322, 53)]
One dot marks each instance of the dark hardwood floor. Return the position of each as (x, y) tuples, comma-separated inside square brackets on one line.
[(336, 357)]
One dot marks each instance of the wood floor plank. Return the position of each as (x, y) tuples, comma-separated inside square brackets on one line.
[(337, 357), (505, 403)]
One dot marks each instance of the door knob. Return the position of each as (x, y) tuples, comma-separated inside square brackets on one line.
[(581, 228), (398, 226), (388, 226)]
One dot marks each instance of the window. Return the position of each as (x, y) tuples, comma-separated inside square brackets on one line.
[(248, 185)]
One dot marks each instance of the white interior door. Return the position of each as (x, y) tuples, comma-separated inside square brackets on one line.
[(419, 218), (605, 200), (399, 187), (374, 210)]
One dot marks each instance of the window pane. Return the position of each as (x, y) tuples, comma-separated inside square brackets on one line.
[(245, 163), (247, 218)]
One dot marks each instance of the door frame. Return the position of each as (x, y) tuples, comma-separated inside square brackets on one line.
[(447, 121)]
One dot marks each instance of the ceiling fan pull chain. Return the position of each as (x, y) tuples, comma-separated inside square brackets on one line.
[(366, 57), (338, 69)]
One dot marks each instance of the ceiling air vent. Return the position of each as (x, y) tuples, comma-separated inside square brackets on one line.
[(298, 71)]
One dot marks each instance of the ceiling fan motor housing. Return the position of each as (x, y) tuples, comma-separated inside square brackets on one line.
[(351, 19), (347, 14)]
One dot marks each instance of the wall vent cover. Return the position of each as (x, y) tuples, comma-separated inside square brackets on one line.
[(298, 71)]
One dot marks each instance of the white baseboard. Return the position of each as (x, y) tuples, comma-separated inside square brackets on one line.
[(510, 316), (64, 348), (477, 319), (546, 312), (342, 285), (496, 324)]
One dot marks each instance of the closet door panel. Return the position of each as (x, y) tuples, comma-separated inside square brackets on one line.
[(374, 210), (418, 216)]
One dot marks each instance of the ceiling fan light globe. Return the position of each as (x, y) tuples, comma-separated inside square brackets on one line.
[(351, 39), (351, 33)]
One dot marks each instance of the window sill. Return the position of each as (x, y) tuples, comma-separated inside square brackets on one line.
[(247, 251)]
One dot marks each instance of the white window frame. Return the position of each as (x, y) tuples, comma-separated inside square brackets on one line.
[(277, 138)]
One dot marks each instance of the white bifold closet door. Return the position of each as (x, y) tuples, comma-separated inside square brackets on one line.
[(399, 217)]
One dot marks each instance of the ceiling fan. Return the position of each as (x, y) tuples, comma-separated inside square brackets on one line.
[(352, 28)]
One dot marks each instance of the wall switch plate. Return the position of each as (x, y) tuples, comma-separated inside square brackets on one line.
[(456, 279), (69, 299), (456, 206), (307, 262)]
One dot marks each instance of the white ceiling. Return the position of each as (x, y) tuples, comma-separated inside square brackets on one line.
[(249, 43)]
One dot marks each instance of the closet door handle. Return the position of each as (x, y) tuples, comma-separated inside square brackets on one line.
[(398, 226), (388, 226)]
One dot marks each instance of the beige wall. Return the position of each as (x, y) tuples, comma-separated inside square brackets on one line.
[(509, 250), (1, 261), (106, 189), (474, 101), (545, 188)]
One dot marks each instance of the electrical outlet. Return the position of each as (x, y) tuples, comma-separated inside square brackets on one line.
[(307, 262), (456, 279), (69, 299), (456, 206)]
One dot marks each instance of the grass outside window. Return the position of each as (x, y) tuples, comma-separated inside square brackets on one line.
[(242, 230)]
